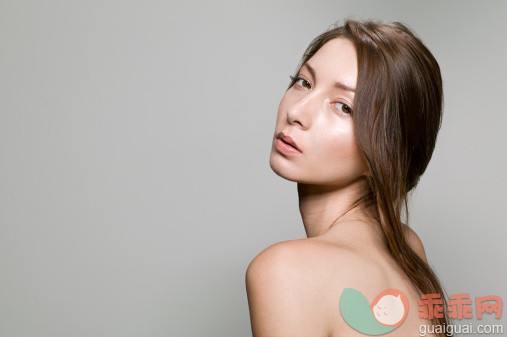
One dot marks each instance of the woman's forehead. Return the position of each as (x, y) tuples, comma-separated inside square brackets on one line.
[(335, 61)]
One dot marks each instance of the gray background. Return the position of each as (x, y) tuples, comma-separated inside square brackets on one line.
[(135, 185)]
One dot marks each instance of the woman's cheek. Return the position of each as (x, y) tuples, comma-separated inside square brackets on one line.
[(344, 155), (342, 146)]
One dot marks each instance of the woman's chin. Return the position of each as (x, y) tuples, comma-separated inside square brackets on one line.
[(283, 168)]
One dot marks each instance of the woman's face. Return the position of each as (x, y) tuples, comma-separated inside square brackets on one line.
[(315, 113)]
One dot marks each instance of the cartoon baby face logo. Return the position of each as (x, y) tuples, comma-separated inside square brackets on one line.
[(387, 311), (390, 307)]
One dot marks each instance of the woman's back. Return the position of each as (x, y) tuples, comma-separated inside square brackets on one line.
[(295, 286)]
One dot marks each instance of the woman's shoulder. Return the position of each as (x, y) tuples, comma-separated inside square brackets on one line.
[(301, 281), (308, 253), (332, 261), (317, 253)]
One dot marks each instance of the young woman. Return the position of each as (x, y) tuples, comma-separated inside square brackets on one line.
[(355, 129)]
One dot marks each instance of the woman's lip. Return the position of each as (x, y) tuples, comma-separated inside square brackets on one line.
[(285, 148), (288, 139)]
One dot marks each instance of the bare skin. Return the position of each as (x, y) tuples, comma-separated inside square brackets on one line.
[(294, 286)]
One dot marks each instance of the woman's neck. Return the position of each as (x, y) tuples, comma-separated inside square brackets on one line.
[(323, 207)]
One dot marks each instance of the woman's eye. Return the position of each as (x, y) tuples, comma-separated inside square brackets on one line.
[(297, 79), (344, 108)]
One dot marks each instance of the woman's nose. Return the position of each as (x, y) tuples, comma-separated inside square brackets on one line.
[(300, 111)]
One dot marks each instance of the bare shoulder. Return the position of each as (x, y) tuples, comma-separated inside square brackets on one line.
[(415, 242), (289, 254), (300, 258), (287, 264), (293, 286)]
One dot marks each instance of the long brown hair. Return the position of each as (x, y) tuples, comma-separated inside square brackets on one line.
[(397, 114)]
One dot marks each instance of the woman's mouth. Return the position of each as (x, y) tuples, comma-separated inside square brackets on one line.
[(288, 139), (286, 145)]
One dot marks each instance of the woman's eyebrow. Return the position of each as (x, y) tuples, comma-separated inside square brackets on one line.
[(339, 85)]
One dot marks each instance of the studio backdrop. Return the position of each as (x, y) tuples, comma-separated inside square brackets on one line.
[(135, 186)]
